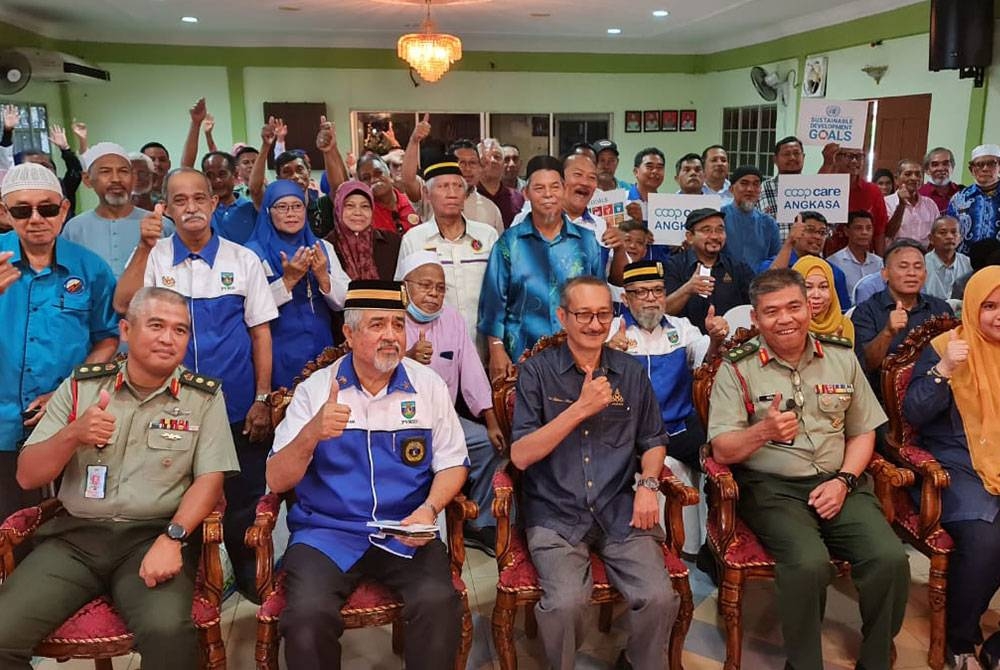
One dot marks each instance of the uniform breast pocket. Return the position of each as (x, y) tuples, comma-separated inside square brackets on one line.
[(834, 406), (75, 302), (169, 455)]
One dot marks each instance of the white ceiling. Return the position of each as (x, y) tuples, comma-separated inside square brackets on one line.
[(702, 26)]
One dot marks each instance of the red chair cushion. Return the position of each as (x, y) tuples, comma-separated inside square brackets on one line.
[(369, 595), (99, 621), (23, 521), (522, 576), (744, 551), (908, 517)]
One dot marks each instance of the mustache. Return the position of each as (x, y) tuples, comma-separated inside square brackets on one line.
[(196, 216)]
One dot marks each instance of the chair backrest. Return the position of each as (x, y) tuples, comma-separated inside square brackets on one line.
[(279, 398), (897, 369), (704, 376), (504, 389), (738, 317)]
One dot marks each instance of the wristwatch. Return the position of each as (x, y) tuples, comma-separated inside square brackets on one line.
[(850, 480), (175, 531), (261, 397), (651, 483)]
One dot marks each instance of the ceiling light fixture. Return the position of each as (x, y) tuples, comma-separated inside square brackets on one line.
[(660, 13), (428, 52), (189, 19), (614, 31)]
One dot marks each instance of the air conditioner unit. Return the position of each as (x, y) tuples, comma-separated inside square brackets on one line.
[(20, 65)]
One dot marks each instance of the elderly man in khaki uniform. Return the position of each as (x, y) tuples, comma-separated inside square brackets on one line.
[(143, 448), (794, 416)]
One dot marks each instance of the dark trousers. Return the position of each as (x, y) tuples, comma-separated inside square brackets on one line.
[(973, 578), (777, 510), (242, 493), (77, 560), (686, 446), (311, 623), (12, 496)]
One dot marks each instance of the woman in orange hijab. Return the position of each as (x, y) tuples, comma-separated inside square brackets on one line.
[(954, 402), (821, 294)]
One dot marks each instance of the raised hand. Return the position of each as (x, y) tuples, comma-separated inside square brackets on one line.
[(897, 318), (326, 138), (781, 426), (795, 233), (11, 116), (96, 425), (268, 133), (332, 417), (422, 349), (595, 394), (716, 326), (57, 135), (620, 339), (700, 284), (280, 129), (613, 238), (198, 111), (151, 226), (80, 130), (8, 273), (295, 269), (208, 124), (422, 130), (956, 354)]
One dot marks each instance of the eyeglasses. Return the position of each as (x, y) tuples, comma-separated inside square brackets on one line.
[(285, 208), (584, 317), (46, 210), (643, 293), (798, 397), (428, 286), (984, 165), (851, 157)]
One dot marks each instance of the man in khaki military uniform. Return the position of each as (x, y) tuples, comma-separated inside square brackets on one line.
[(794, 416), (143, 448)]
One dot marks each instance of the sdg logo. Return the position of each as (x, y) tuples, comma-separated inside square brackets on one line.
[(833, 110)]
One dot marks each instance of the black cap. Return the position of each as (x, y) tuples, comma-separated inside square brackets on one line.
[(698, 215), (642, 271), (447, 164), (743, 171), (604, 145), (375, 294)]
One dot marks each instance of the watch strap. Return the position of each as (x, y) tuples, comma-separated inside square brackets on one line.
[(651, 483)]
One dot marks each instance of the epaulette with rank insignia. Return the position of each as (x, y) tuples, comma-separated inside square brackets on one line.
[(834, 339), (209, 385), (739, 353), (94, 370)]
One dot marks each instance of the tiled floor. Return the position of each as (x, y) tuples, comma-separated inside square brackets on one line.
[(704, 648)]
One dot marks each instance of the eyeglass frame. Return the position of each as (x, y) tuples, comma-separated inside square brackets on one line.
[(592, 315)]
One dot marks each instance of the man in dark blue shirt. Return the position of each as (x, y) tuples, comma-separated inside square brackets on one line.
[(584, 417)]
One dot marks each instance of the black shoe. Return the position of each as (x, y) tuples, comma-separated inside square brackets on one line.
[(990, 660), (622, 663), (964, 661), (484, 539)]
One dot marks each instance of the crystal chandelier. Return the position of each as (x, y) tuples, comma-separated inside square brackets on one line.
[(428, 52)]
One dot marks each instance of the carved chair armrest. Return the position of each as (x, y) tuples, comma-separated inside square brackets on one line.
[(933, 478), (722, 497), (258, 538), (456, 513), (676, 495), (20, 526), (503, 499), (887, 477), (211, 563)]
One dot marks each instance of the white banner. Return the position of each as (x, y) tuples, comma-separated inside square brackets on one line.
[(669, 211), (823, 193), (824, 121)]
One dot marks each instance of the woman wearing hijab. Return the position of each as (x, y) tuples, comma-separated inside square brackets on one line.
[(825, 317), (364, 251), (306, 280), (953, 401)]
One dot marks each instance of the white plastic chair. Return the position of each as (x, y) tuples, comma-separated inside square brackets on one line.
[(738, 316)]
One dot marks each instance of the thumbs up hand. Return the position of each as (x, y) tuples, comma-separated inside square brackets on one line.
[(897, 319), (620, 339), (956, 354), (781, 426), (96, 425), (332, 417), (422, 349), (151, 226), (422, 130), (716, 326), (326, 138), (595, 394)]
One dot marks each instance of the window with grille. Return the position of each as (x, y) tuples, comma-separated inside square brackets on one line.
[(748, 134), (32, 130)]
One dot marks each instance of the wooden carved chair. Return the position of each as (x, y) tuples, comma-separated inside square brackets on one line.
[(918, 524), (97, 632), (517, 584), (738, 553), (370, 604)]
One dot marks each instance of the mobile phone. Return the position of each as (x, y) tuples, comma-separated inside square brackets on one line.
[(30, 413)]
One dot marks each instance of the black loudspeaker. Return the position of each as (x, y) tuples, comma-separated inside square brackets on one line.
[(961, 34)]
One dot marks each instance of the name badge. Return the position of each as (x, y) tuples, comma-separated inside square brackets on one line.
[(97, 482)]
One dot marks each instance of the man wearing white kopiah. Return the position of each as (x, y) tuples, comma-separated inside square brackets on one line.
[(371, 438)]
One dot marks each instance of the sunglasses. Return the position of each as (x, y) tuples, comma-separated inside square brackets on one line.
[(46, 210)]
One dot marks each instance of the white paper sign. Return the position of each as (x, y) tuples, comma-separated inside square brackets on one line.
[(608, 207), (823, 193), (824, 121), (669, 211)]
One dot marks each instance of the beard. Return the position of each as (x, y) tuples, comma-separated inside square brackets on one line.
[(746, 206), (941, 182), (116, 200), (386, 361), (648, 319)]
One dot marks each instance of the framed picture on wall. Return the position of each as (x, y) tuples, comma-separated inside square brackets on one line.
[(540, 126), (814, 85), (668, 120), (633, 121), (689, 120), (651, 121)]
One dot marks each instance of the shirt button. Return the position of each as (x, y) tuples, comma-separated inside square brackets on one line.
[(167, 462), (590, 485), (586, 459), (586, 433)]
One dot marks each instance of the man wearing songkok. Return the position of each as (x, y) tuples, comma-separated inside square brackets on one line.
[(371, 438), (55, 307), (794, 415)]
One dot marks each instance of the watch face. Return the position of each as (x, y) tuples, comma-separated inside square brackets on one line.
[(175, 531)]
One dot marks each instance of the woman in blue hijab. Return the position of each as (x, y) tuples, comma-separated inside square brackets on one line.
[(306, 280)]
